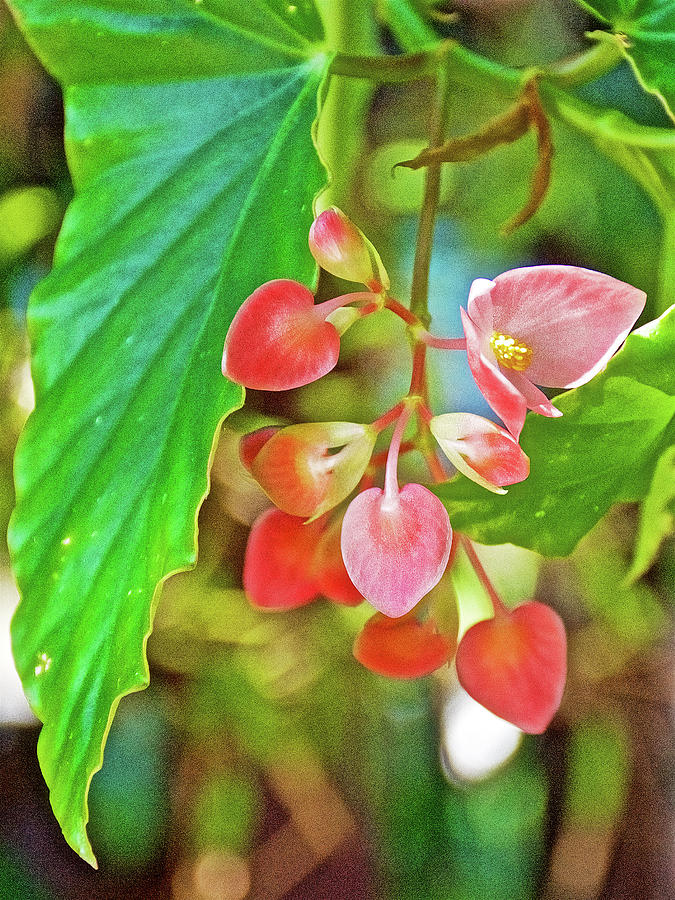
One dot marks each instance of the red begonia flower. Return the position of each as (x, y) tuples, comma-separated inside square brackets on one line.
[(278, 565), (515, 664), (279, 339), (308, 469), (551, 325), (401, 648)]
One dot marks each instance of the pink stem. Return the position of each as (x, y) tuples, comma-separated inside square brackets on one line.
[(497, 603), (380, 458), (328, 306), (418, 377), (389, 417), (441, 343), (390, 472), (401, 311)]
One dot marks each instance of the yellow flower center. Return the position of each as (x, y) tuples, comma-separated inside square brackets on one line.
[(510, 352)]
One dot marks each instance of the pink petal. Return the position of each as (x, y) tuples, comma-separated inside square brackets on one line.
[(396, 553), (479, 305), (573, 319), (481, 450), (515, 665), (500, 393), (536, 400)]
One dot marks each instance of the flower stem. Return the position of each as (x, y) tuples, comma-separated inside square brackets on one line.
[(388, 417), (329, 306), (380, 458), (420, 333), (432, 187), (440, 343), (497, 603), (390, 472), (401, 311), (418, 377)]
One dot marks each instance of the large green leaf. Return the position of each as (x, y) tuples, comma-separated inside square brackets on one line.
[(603, 450), (645, 29), (188, 131), (657, 519)]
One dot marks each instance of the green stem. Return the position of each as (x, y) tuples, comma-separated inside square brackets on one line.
[(598, 60), (483, 577), (341, 124), (432, 187), (388, 69)]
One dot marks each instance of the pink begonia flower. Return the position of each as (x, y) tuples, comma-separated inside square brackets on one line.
[(551, 325)]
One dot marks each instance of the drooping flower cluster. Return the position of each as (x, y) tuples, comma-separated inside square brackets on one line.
[(553, 325)]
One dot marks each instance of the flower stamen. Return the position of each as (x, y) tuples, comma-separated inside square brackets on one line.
[(510, 352)]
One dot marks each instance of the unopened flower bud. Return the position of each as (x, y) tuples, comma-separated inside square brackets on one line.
[(481, 450), (279, 561), (342, 249), (308, 469), (401, 648), (279, 340), (515, 665)]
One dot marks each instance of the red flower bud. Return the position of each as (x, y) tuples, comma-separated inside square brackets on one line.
[(279, 560), (279, 339), (401, 648), (515, 665), (331, 575), (308, 469)]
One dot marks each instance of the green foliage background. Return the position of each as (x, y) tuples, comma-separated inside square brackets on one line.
[(190, 136)]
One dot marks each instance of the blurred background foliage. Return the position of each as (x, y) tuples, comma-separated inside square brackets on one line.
[(263, 762)]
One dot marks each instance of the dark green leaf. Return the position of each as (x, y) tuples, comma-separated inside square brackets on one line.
[(649, 42), (602, 450), (188, 131)]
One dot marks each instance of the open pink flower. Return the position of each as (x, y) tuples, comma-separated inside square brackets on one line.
[(551, 325)]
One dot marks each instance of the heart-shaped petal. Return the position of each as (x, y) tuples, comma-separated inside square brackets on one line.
[(401, 648), (396, 549), (278, 340), (515, 665), (308, 469), (278, 565), (331, 575)]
